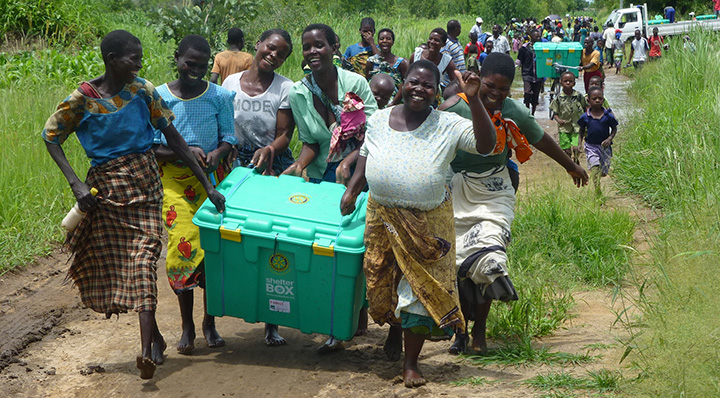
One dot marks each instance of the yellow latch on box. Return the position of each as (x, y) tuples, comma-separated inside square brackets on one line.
[(230, 234), (323, 251)]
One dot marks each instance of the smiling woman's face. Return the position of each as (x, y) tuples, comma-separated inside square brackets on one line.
[(192, 66), (316, 50), (128, 65), (419, 89), (435, 42), (271, 53), (494, 89)]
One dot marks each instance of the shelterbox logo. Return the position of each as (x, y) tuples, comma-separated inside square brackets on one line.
[(279, 263), (279, 287)]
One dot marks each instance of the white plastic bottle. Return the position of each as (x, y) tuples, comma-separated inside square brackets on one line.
[(72, 219)]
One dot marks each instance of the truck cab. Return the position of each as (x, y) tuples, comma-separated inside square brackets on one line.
[(628, 20), (635, 17)]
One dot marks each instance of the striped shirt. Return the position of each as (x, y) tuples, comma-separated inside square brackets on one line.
[(454, 50)]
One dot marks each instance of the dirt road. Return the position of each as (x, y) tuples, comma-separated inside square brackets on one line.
[(51, 347)]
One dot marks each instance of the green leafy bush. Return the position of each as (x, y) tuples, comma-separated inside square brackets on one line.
[(209, 19), (58, 22)]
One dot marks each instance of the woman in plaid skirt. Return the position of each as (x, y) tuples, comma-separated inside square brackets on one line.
[(116, 246)]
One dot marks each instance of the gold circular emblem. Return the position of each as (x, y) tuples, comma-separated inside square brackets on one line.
[(279, 263), (299, 199)]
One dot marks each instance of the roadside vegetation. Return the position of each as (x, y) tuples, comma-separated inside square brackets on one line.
[(670, 158)]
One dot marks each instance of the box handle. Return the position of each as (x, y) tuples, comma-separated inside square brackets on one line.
[(230, 234), (323, 251)]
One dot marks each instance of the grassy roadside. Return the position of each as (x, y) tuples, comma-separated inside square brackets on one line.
[(670, 158)]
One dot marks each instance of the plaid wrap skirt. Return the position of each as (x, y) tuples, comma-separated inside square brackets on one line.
[(116, 246)]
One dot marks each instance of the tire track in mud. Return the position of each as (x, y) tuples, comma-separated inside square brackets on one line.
[(33, 302)]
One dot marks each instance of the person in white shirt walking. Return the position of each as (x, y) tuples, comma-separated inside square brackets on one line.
[(609, 37), (638, 50)]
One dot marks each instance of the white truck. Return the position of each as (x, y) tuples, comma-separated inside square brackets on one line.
[(636, 17)]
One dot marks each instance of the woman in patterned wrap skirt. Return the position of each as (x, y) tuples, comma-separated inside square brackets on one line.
[(116, 246)]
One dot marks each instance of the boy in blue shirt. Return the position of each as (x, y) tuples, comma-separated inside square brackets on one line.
[(598, 127), (356, 55)]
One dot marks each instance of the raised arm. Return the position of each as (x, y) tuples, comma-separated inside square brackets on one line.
[(483, 127)]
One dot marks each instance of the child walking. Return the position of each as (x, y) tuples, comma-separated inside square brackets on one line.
[(598, 127), (204, 113), (618, 47), (567, 109)]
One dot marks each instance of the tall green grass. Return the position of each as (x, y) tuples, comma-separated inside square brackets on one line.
[(560, 242), (670, 157), (33, 193)]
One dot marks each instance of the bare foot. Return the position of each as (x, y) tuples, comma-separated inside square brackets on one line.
[(158, 349), (412, 377), (187, 341), (479, 345), (459, 346), (212, 337), (272, 338), (362, 322), (331, 345), (146, 366), (393, 343)]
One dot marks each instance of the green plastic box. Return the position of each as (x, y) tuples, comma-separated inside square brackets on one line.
[(281, 253), (545, 56), (570, 54), (658, 21), (705, 17)]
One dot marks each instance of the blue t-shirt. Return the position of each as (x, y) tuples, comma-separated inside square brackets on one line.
[(356, 49), (598, 130), (482, 38), (482, 57)]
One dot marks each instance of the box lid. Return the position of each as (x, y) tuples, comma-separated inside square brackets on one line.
[(570, 46), (544, 47), (286, 208)]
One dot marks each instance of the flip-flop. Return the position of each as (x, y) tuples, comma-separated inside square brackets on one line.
[(146, 366)]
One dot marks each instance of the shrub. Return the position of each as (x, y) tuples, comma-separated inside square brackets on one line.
[(210, 19), (59, 22)]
